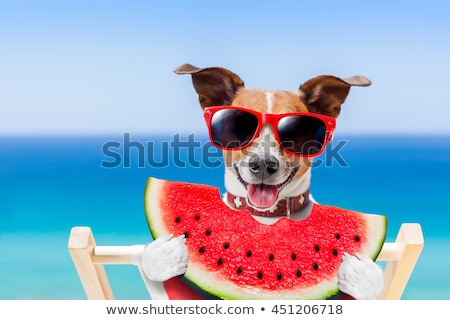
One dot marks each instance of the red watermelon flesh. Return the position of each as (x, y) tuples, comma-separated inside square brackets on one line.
[(233, 256)]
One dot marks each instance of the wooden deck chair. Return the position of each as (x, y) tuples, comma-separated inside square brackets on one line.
[(401, 257)]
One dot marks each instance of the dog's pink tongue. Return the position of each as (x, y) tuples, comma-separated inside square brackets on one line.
[(262, 195)]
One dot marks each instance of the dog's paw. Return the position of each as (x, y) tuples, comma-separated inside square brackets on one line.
[(165, 258), (360, 277)]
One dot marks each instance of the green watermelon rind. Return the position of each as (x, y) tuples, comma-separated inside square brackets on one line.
[(195, 274), (151, 211)]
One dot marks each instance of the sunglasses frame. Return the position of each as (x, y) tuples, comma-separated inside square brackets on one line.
[(271, 119)]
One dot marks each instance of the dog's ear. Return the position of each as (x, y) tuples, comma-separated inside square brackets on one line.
[(215, 86), (325, 94)]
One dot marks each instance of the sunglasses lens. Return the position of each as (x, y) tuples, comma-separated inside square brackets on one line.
[(302, 134), (231, 128)]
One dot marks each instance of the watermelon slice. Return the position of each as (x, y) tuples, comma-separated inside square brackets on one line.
[(233, 256)]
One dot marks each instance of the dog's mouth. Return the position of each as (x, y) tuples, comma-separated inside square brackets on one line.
[(264, 196)]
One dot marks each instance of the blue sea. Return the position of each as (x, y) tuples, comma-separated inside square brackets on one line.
[(49, 184)]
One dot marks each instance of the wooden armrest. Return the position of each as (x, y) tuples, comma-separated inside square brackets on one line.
[(402, 256)]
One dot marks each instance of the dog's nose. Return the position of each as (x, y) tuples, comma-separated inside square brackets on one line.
[(263, 166)]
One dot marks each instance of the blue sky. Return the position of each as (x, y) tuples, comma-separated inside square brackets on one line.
[(105, 67)]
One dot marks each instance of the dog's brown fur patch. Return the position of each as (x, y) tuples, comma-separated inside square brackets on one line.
[(256, 99)]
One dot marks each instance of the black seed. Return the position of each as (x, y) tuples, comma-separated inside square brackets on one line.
[(208, 232), (271, 257), (249, 253), (315, 266), (239, 270), (334, 252), (220, 261), (226, 245), (337, 235), (178, 219), (260, 274), (357, 239), (186, 234), (197, 217), (293, 256), (316, 247), (279, 276), (298, 273), (202, 249)]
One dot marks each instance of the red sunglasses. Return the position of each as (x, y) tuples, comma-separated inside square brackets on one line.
[(303, 134)]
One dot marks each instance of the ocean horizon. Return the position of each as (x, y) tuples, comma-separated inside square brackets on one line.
[(49, 184)]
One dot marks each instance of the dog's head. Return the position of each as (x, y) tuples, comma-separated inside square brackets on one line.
[(267, 168)]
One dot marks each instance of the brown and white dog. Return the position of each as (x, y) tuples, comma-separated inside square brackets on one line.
[(265, 177)]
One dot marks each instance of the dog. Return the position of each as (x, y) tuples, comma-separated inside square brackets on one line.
[(269, 139)]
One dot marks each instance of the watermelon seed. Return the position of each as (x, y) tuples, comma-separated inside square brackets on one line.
[(178, 219), (197, 217), (315, 266), (226, 245), (337, 236), (202, 249), (208, 232), (316, 247), (260, 274), (298, 273), (239, 270), (334, 252), (271, 257), (357, 239), (220, 261), (249, 253), (186, 234), (293, 256), (279, 275)]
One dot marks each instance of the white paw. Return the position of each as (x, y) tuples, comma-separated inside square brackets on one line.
[(360, 277), (165, 258)]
